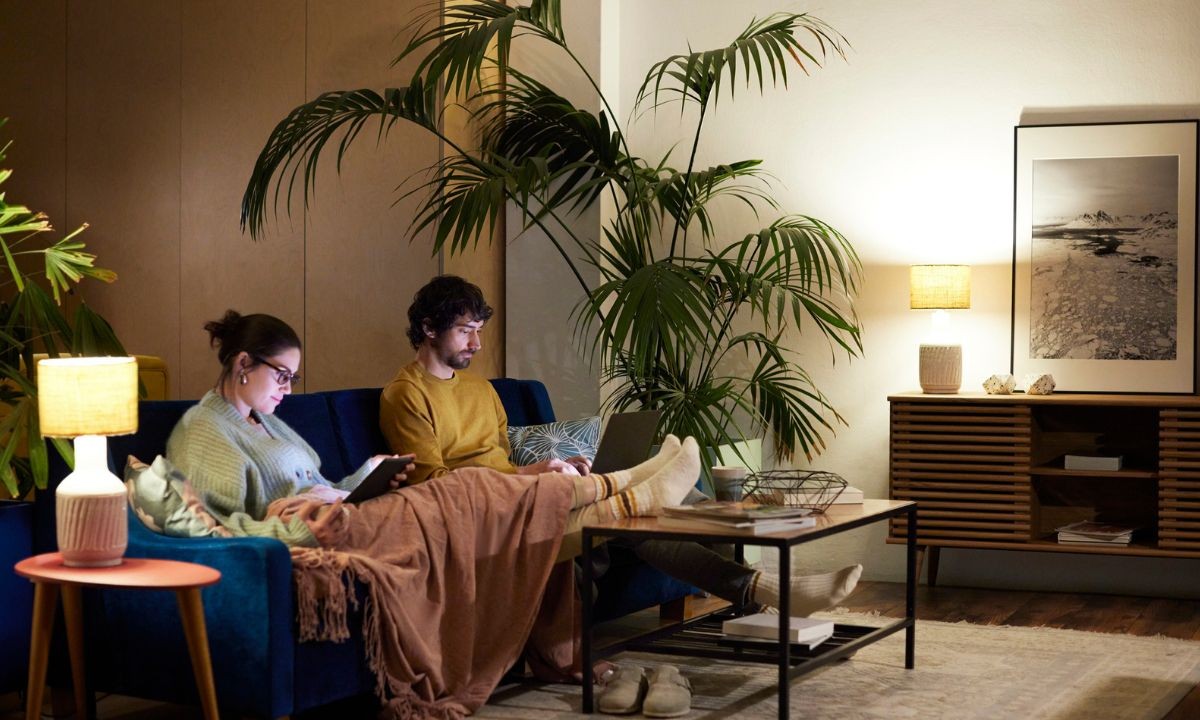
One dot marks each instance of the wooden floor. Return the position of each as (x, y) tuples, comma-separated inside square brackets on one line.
[(1094, 613)]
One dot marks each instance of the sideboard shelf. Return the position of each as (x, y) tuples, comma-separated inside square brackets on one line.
[(987, 471)]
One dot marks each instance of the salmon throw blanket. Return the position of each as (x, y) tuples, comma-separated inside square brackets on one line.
[(459, 575)]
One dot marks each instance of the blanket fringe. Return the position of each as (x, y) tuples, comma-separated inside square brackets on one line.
[(324, 594)]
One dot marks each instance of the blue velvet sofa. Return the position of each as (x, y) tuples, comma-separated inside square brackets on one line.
[(135, 641)]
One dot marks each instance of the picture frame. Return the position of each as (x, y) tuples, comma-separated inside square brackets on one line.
[(1104, 256)]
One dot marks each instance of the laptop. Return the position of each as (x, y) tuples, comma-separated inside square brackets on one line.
[(627, 440)]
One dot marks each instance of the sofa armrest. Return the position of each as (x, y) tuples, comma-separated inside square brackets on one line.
[(248, 614)]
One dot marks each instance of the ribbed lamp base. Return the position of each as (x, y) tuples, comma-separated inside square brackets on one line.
[(941, 368)]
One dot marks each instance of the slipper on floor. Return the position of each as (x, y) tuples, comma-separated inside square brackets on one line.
[(669, 694), (625, 691)]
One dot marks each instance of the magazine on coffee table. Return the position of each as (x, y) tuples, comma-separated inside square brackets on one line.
[(740, 510)]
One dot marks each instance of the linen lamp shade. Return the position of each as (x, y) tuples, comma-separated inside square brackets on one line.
[(940, 288), (89, 398)]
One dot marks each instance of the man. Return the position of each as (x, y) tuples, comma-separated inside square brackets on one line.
[(452, 419)]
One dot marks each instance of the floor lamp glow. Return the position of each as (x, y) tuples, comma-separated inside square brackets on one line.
[(89, 399), (940, 288)]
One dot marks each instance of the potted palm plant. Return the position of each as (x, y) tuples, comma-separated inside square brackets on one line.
[(35, 274), (687, 316)]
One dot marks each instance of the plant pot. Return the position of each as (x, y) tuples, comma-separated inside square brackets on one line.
[(16, 593)]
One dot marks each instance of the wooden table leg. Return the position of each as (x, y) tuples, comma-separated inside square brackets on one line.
[(72, 598), (191, 609), (45, 598)]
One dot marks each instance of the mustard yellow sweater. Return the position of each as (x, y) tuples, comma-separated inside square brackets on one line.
[(448, 423)]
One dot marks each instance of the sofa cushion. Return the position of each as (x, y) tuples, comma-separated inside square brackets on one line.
[(309, 415), (356, 419), (163, 499), (558, 440), (526, 402)]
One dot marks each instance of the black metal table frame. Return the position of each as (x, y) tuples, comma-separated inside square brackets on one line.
[(698, 638)]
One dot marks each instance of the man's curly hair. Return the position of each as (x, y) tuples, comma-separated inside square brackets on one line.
[(437, 305)]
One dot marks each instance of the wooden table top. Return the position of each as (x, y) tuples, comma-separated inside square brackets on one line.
[(835, 516), (132, 573)]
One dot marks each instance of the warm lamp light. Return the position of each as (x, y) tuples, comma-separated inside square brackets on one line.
[(88, 399), (940, 288)]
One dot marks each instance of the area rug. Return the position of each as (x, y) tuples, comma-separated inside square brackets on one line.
[(963, 671)]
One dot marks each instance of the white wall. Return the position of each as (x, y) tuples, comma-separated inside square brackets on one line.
[(907, 148), (540, 291)]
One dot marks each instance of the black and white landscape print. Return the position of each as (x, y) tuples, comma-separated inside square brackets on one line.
[(1104, 258)]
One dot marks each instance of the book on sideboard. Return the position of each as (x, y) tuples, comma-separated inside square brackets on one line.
[(1093, 462), (1092, 532)]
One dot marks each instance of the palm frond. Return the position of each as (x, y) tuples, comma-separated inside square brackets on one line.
[(698, 76), (296, 143), (463, 36)]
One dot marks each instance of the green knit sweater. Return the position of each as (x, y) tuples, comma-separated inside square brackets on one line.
[(238, 470)]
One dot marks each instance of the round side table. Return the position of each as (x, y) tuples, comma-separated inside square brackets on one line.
[(50, 577)]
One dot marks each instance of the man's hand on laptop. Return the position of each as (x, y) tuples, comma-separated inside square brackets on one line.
[(552, 465)]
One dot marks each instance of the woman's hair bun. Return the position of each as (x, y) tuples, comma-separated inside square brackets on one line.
[(218, 330)]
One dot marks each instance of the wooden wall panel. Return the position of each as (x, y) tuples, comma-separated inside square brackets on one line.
[(33, 96), (123, 169), (242, 71), (361, 271)]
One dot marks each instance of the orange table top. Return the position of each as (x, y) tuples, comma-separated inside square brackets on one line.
[(132, 573)]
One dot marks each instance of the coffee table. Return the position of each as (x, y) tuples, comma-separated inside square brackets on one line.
[(702, 636)]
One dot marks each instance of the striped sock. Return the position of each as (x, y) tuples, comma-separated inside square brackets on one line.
[(668, 486)]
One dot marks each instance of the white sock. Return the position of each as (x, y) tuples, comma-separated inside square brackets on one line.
[(809, 593), (622, 479)]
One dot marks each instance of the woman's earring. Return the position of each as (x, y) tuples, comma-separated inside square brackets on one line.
[(242, 378)]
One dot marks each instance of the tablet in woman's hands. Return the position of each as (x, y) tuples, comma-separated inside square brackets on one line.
[(380, 479)]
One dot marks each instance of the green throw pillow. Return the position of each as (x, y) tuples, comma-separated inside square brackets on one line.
[(164, 501), (560, 440)]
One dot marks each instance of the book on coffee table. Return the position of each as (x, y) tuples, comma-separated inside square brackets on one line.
[(754, 527), (731, 510), (801, 630)]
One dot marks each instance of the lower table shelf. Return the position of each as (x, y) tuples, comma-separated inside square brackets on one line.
[(702, 637)]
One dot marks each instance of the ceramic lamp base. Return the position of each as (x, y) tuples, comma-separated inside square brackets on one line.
[(92, 529), (90, 509), (941, 368)]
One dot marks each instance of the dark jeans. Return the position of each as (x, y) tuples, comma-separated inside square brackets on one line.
[(698, 565)]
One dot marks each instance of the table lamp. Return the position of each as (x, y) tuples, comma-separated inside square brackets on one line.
[(89, 398), (940, 288)]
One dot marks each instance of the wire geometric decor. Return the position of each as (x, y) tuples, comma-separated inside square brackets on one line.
[(814, 489)]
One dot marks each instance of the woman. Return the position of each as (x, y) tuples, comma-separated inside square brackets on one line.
[(464, 554)]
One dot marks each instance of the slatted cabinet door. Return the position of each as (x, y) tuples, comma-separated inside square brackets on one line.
[(967, 465), (1179, 479)]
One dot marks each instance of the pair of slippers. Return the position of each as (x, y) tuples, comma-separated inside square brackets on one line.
[(661, 693)]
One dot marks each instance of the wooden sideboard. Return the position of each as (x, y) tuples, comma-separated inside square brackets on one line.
[(987, 470)]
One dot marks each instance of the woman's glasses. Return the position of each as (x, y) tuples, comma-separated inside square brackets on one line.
[(282, 374)]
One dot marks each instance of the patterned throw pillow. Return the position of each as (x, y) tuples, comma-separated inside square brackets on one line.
[(559, 440), (165, 502)]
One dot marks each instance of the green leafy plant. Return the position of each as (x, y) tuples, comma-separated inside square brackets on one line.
[(687, 315), (32, 320)]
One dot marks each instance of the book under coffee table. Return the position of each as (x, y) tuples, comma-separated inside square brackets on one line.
[(702, 636)]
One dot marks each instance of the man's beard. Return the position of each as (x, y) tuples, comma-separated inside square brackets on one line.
[(459, 361)]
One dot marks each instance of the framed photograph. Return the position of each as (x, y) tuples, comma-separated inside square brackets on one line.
[(1104, 256)]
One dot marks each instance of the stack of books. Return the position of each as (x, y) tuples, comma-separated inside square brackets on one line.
[(763, 626), (1091, 532), (743, 516)]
